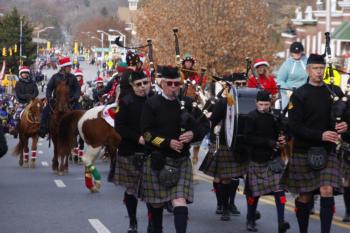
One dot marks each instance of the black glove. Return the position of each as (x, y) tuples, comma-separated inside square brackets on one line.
[(157, 160)]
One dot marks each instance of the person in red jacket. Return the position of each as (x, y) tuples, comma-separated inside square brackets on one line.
[(266, 80)]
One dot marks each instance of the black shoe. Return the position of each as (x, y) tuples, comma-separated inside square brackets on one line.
[(219, 209), (283, 227), (225, 216), (133, 227), (257, 215), (42, 132), (251, 226), (234, 210), (169, 207), (346, 218)]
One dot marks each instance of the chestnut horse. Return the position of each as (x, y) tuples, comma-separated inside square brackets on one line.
[(96, 133), (28, 128), (60, 107)]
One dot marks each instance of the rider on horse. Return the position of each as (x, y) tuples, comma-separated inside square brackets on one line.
[(25, 90), (63, 75)]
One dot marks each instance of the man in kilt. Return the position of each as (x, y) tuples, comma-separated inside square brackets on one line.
[(168, 129), (131, 150), (314, 166), (263, 136), (223, 165)]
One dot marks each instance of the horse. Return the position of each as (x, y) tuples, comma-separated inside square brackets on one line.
[(28, 128), (60, 107), (96, 132)]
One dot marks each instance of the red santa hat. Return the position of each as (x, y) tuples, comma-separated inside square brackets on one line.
[(259, 62), (99, 80), (65, 61), (24, 69), (78, 72)]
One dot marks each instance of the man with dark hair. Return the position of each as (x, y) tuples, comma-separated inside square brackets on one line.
[(132, 59), (63, 75), (168, 129), (314, 166)]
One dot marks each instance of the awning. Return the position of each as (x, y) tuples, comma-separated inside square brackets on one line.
[(342, 32)]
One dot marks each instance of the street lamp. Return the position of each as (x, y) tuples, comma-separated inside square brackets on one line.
[(122, 35), (38, 36)]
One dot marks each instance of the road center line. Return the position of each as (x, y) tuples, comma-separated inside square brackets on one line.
[(45, 164), (98, 226), (60, 184)]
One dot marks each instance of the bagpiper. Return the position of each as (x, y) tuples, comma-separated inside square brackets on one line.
[(264, 139), (168, 129), (314, 166), (131, 151)]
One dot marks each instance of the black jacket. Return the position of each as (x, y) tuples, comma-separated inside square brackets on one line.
[(162, 121), (73, 83), (3, 144), (127, 124), (125, 87), (261, 134), (309, 114), (26, 89)]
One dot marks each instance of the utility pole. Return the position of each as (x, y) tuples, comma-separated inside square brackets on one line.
[(20, 42), (328, 15)]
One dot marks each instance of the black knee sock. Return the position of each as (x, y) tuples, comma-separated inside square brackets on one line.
[(252, 204), (216, 187), (131, 206), (347, 199), (233, 189), (225, 193), (326, 213), (280, 200), (180, 219), (155, 216), (302, 212)]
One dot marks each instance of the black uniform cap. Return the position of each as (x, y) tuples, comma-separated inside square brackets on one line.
[(168, 72), (316, 59), (137, 75), (263, 95), (296, 47)]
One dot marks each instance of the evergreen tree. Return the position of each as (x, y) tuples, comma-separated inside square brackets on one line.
[(10, 36)]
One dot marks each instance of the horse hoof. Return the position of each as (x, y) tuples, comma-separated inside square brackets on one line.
[(98, 185), (25, 164), (94, 190)]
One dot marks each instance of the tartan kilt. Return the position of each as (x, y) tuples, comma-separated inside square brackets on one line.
[(300, 178), (222, 165), (346, 170), (126, 174), (261, 180), (151, 191)]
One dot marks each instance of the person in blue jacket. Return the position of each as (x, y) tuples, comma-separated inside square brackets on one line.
[(292, 74)]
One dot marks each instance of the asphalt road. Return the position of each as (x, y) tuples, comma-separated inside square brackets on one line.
[(39, 201)]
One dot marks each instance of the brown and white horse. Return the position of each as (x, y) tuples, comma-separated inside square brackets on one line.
[(96, 133), (61, 106), (28, 128)]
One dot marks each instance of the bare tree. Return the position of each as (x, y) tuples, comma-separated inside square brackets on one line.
[(220, 34)]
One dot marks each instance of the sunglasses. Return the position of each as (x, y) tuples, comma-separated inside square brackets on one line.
[(143, 83), (174, 84)]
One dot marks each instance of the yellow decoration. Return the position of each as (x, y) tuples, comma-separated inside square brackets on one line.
[(4, 53), (10, 52), (48, 45), (337, 77), (15, 48), (157, 141), (290, 106)]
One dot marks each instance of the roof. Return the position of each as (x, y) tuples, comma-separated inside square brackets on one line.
[(342, 32)]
